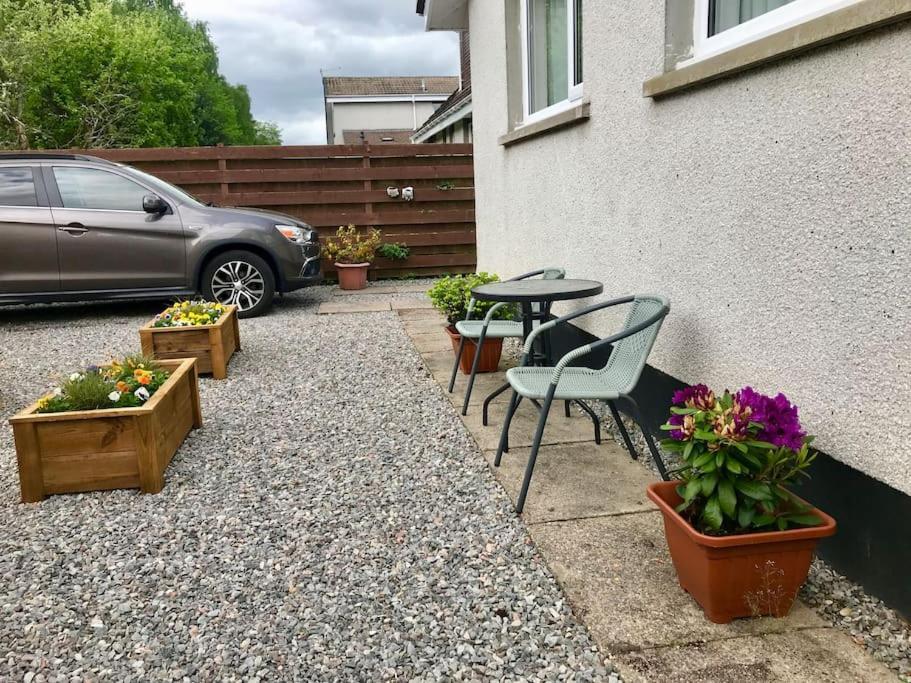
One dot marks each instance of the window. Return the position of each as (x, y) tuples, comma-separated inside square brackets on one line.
[(725, 24), (90, 188), (552, 56), (17, 187)]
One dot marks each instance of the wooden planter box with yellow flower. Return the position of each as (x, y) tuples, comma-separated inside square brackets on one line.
[(116, 448), (212, 345)]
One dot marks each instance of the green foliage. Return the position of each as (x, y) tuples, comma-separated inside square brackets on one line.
[(110, 73), (452, 296), (445, 185), (128, 383), (732, 482), (394, 251), (267, 133)]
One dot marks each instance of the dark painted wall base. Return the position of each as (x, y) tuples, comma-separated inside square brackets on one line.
[(873, 543)]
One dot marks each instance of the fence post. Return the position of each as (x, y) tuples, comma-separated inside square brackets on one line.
[(368, 183), (222, 171)]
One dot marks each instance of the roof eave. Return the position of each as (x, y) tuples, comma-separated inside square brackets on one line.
[(445, 15), (457, 114)]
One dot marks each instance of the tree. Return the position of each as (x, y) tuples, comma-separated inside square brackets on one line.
[(267, 133), (113, 73)]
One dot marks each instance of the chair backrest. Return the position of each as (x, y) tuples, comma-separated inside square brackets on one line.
[(630, 353)]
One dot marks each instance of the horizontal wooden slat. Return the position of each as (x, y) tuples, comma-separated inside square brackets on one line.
[(333, 197), (318, 220), (317, 174)]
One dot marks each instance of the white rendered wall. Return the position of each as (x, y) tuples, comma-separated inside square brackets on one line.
[(378, 116), (773, 208)]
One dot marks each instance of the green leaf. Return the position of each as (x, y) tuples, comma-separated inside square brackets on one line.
[(684, 411), (765, 445), (742, 447), (703, 459), (763, 520), (708, 484), (711, 515), (745, 516), (727, 497), (703, 435), (693, 487), (733, 466), (752, 459), (782, 523), (719, 458), (753, 489), (805, 520), (688, 449)]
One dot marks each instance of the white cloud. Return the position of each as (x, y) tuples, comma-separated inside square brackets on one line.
[(278, 47)]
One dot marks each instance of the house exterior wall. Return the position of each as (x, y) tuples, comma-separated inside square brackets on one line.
[(771, 207), (377, 116)]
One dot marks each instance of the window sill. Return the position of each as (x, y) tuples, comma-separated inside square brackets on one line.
[(828, 28), (570, 117)]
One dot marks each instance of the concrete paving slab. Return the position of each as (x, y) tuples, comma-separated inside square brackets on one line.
[(619, 577), (560, 429), (575, 481), (815, 655), (359, 307), (382, 289), (422, 314), (431, 342), (412, 305)]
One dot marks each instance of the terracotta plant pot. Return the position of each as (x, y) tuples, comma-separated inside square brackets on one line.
[(491, 350), (746, 575), (352, 275)]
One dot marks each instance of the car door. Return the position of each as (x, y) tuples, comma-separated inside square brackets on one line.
[(28, 240), (105, 240)]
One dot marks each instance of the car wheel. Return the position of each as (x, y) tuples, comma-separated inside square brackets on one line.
[(242, 279)]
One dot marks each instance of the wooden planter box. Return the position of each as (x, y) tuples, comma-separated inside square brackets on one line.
[(118, 448), (211, 345)]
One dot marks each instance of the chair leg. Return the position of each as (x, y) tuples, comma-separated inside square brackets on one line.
[(514, 402), (637, 416), (535, 446), (622, 427), (491, 398), (566, 410), (474, 369), (455, 368), (595, 420)]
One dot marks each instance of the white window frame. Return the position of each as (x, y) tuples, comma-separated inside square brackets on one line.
[(792, 14), (575, 91)]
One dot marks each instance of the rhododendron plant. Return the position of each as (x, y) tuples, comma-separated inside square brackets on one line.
[(739, 451)]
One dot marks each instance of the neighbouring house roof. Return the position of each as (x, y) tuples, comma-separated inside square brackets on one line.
[(456, 108), (376, 137), (368, 86)]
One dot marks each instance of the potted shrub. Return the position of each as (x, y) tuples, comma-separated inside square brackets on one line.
[(740, 541), (352, 252), (108, 427), (452, 296), (206, 331)]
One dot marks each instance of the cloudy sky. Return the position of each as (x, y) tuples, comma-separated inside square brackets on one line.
[(277, 48)]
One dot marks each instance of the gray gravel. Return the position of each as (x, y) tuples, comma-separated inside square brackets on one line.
[(332, 520)]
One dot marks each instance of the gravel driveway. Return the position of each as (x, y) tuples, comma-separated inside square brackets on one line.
[(332, 520)]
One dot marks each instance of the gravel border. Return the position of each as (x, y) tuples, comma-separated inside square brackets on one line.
[(332, 520)]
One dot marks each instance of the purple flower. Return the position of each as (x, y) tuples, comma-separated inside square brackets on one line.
[(696, 396), (778, 417)]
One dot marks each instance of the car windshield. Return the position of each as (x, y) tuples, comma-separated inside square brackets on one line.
[(160, 184)]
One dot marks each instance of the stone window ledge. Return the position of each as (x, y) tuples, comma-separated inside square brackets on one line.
[(828, 28), (570, 117)]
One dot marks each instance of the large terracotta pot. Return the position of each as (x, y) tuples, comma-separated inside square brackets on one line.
[(745, 575), (491, 350), (352, 275)]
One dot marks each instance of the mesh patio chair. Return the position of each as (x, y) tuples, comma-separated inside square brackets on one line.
[(476, 331), (612, 383)]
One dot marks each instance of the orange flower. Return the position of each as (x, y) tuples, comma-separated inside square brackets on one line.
[(145, 379), (123, 387)]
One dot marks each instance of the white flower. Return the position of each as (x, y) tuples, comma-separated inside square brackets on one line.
[(114, 396), (57, 391), (142, 394), (75, 376)]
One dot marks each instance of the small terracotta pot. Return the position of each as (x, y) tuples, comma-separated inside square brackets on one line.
[(746, 575), (491, 350), (352, 275)]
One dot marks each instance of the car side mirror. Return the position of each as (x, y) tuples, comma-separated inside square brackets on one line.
[(152, 203)]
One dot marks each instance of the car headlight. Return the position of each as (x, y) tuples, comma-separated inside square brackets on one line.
[(292, 233)]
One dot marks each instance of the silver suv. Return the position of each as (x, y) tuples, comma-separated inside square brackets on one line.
[(76, 227)]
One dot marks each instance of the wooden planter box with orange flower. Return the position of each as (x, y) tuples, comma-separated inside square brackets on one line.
[(118, 448), (211, 345)]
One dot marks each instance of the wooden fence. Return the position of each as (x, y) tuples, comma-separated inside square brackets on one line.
[(332, 185)]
